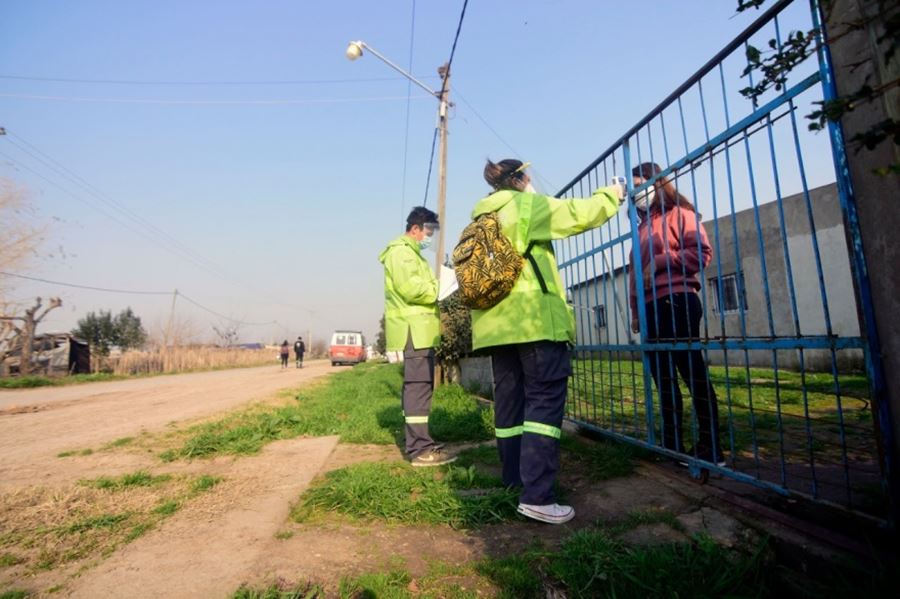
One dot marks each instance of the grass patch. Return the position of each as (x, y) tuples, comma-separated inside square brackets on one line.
[(360, 405), (121, 442), (66, 454), (515, 576), (14, 594), (283, 535), (603, 459), (280, 590), (396, 493), (8, 559), (141, 478), (205, 482), (391, 584), (651, 516), (101, 521), (28, 382), (167, 508), (46, 527)]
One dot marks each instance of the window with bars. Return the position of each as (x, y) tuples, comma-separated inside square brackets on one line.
[(729, 293)]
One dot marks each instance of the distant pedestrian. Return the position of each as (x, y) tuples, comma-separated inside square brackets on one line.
[(285, 353), (299, 350)]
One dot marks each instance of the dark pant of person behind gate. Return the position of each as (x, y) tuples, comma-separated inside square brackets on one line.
[(676, 317), (530, 381), (418, 384)]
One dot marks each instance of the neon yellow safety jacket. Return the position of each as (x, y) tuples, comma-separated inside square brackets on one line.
[(527, 313), (410, 296)]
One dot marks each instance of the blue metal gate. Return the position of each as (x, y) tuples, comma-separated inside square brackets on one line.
[(786, 327)]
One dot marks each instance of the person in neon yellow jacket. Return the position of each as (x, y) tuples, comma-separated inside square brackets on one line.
[(528, 333), (412, 324)]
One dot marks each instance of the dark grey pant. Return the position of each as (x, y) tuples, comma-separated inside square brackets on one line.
[(418, 382)]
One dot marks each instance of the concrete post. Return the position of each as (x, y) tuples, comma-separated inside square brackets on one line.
[(857, 58)]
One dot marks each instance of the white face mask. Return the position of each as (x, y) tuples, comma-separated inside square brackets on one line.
[(645, 199), (529, 188)]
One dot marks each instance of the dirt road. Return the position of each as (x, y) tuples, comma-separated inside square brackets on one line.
[(38, 424)]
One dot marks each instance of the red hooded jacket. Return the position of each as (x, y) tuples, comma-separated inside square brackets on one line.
[(676, 256)]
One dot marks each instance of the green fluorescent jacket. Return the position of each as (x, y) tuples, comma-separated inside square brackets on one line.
[(410, 296), (527, 314)]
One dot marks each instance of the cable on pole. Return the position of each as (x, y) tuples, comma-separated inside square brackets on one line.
[(462, 15)]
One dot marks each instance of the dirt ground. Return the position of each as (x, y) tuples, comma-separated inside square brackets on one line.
[(240, 531), (38, 424)]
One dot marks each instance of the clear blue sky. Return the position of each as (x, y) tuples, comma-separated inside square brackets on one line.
[(288, 192)]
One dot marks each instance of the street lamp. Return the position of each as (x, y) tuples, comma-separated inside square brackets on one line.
[(354, 51)]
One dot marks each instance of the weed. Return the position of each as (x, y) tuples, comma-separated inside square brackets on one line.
[(14, 594), (102, 521), (138, 531), (283, 535), (205, 482), (8, 559), (603, 459), (515, 576), (66, 454), (377, 584), (167, 508), (141, 478), (398, 493), (280, 590), (121, 442)]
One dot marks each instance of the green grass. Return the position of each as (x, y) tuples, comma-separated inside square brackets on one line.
[(141, 478), (28, 382), (397, 493), (66, 454), (280, 591), (601, 458), (14, 594), (651, 516), (515, 576), (361, 405), (609, 393), (205, 482), (138, 530), (96, 522), (8, 559), (167, 508), (121, 442)]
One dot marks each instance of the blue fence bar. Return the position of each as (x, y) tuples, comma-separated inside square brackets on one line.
[(729, 325)]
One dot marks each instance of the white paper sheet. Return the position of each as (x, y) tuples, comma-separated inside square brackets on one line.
[(447, 283)]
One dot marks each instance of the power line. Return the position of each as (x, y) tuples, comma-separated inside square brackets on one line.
[(462, 15), (135, 292), (207, 82), (412, 37), (108, 214), (499, 137), (128, 291), (206, 102), (61, 169), (213, 312)]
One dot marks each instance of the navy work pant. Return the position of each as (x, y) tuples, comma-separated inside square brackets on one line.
[(677, 317), (418, 383), (530, 382)]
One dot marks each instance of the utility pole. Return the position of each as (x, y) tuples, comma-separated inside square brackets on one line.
[(444, 72), (168, 333)]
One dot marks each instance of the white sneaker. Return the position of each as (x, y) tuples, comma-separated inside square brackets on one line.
[(552, 514)]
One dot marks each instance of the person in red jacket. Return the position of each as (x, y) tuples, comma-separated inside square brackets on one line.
[(673, 250)]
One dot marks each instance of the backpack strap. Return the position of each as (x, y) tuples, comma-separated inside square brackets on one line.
[(537, 271)]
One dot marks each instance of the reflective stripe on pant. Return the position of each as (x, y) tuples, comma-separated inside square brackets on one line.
[(529, 399), (418, 382)]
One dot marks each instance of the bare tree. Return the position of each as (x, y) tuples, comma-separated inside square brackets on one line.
[(227, 334), (19, 239), (15, 337)]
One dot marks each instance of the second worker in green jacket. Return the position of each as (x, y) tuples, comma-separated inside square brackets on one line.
[(412, 324), (529, 332)]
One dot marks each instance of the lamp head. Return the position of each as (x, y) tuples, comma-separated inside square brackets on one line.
[(354, 50)]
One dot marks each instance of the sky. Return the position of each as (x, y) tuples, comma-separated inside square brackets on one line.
[(229, 150)]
